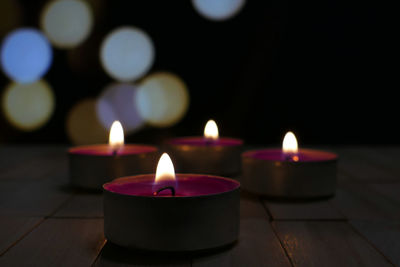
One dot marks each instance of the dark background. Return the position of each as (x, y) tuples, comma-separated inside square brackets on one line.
[(324, 69)]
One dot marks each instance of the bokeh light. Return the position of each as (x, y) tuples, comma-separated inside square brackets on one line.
[(26, 55), (83, 127), (218, 9), (67, 23), (28, 106), (127, 53), (117, 102), (10, 16), (162, 99)]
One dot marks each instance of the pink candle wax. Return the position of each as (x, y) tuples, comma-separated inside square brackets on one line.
[(187, 185), (106, 150), (201, 141), (304, 155)]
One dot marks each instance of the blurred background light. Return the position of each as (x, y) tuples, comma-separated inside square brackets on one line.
[(127, 53), (67, 23), (83, 126), (218, 9), (10, 16), (28, 106), (162, 99), (117, 102), (26, 55)]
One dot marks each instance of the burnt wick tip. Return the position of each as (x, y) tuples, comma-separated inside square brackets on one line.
[(171, 188)]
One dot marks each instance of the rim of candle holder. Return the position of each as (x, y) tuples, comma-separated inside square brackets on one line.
[(237, 187), (335, 156)]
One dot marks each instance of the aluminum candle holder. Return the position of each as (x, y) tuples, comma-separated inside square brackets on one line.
[(269, 173), (203, 214), (92, 166), (199, 155)]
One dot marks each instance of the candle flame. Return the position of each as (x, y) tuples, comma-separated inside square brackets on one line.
[(165, 170), (211, 130), (289, 145), (116, 138)]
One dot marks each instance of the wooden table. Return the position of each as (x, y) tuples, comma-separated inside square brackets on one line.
[(44, 222)]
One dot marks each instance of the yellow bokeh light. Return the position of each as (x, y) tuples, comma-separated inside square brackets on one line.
[(162, 99), (67, 23), (28, 106), (83, 127), (10, 16)]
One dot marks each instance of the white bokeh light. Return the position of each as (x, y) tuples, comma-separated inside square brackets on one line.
[(162, 99), (67, 23), (117, 102), (218, 9), (28, 106), (127, 53), (26, 55)]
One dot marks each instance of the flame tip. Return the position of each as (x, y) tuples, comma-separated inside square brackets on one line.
[(211, 130)]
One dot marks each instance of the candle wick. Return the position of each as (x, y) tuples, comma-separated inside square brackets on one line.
[(291, 157), (171, 188), (210, 141), (115, 151)]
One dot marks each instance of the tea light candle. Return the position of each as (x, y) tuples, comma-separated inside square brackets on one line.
[(290, 172), (168, 212), (93, 165), (208, 154)]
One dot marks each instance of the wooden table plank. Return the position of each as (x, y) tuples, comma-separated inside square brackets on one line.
[(312, 210), (335, 244), (12, 229), (83, 205), (58, 242), (384, 235), (36, 168), (257, 245), (387, 157), (112, 255), (354, 163), (361, 202), (391, 191), (34, 198)]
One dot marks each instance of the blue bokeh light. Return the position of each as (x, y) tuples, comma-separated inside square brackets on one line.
[(26, 55)]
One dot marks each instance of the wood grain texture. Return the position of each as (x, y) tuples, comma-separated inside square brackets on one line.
[(12, 229), (391, 191), (34, 198), (313, 210), (387, 158), (383, 235), (327, 244), (83, 205), (354, 163), (113, 255), (34, 186), (257, 245), (362, 202), (58, 242)]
